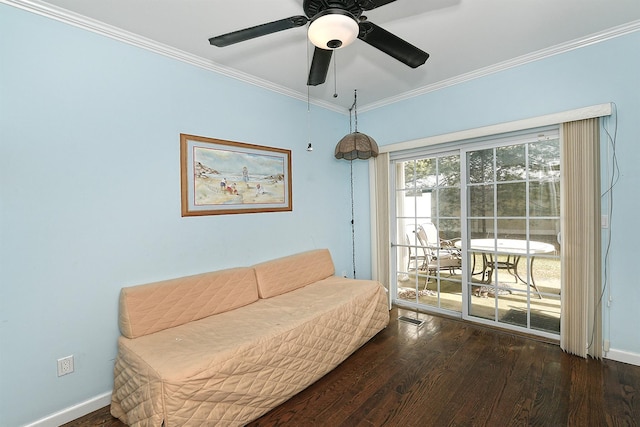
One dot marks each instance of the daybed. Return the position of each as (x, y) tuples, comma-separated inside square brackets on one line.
[(225, 347)]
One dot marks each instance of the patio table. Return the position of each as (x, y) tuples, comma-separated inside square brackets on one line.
[(511, 248)]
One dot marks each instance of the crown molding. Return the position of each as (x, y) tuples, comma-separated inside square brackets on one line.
[(98, 27), (512, 63), (95, 26)]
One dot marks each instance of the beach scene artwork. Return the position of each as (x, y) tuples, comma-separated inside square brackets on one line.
[(230, 177), (221, 177)]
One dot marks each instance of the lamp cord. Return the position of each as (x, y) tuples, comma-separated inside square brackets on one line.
[(354, 107), (308, 105), (353, 231)]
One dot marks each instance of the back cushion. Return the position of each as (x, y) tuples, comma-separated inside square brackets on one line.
[(153, 307), (292, 272)]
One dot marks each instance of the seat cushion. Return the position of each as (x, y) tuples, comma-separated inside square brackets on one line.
[(286, 274)]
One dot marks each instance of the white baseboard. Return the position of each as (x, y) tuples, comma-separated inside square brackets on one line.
[(95, 403), (73, 412), (623, 356)]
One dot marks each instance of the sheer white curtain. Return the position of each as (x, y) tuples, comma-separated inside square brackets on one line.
[(581, 317)]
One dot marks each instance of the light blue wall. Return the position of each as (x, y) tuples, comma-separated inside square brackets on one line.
[(90, 189), (600, 73), (90, 196)]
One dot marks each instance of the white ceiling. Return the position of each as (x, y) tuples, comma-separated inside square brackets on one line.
[(465, 38)]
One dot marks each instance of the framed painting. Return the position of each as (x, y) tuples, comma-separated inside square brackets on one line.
[(221, 177)]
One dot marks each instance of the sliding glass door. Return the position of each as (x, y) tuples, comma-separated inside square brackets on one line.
[(511, 243), (477, 231), (428, 224)]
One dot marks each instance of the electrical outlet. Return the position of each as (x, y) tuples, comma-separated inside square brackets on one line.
[(65, 365)]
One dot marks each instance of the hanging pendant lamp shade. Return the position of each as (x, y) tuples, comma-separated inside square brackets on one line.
[(356, 145)]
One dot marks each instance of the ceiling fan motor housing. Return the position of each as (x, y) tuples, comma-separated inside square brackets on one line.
[(314, 7)]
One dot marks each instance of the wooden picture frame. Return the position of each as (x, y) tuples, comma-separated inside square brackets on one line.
[(221, 177)]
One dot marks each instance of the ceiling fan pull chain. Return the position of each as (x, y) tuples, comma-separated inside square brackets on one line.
[(335, 75), (309, 146)]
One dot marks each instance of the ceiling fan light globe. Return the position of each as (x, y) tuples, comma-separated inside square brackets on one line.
[(333, 30)]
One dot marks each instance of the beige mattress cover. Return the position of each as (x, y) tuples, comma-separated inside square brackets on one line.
[(230, 368)]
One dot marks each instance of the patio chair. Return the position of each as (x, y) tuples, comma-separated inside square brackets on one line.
[(417, 253), (441, 253)]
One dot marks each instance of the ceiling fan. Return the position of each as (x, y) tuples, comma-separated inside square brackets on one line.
[(334, 24)]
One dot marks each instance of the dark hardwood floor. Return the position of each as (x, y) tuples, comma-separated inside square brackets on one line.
[(452, 373)]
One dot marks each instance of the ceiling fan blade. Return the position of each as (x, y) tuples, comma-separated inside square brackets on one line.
[(392, 45), (258, 31), (319, 66), (372, 4)]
